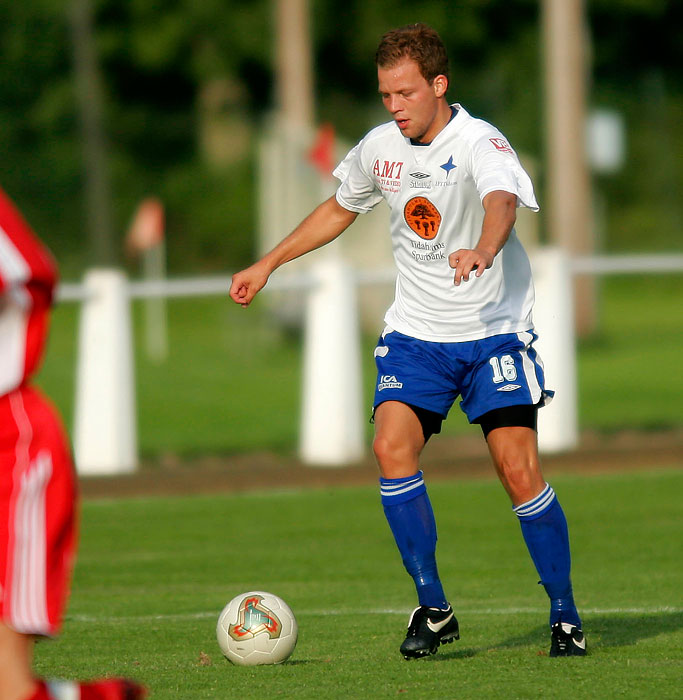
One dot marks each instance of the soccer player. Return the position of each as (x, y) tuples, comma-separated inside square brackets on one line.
[(37, 483), (460, 324)]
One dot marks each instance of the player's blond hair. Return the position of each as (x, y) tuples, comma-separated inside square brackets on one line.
[(418, 42)]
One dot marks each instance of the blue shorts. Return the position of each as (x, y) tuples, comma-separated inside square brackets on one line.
[(503, 370)]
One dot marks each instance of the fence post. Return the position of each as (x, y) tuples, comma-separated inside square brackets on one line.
[(331, 421), (554, 323), (105, 440)]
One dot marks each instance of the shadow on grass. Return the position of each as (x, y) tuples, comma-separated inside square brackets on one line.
[(607, 631), (455, 653), (304, 662), (602, 631), (624, 630)]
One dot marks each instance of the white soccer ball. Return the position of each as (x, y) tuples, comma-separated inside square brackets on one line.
[(257, 628)]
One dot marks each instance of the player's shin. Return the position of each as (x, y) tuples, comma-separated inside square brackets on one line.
[(544, 528), (411, 519)]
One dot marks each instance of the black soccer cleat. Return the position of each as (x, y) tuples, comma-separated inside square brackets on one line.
[(567, 640), (429, 627)]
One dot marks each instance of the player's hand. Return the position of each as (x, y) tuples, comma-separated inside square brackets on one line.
[(466, 260), (247, 284)]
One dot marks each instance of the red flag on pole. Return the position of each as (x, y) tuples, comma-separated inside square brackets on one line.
[(147, 228), (321, 154)]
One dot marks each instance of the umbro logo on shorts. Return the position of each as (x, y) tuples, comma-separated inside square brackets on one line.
[(509, 387), (389, 381)]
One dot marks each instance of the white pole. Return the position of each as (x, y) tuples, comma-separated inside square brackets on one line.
[(156, 327), (554, 323), (332, 422), (105, 440), (570, 216), (294, 72)]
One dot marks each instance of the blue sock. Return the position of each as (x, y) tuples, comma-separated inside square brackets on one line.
[(544, 528), (411, 519)]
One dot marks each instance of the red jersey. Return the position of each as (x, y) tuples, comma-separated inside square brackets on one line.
[(28, 277), (37, 484)]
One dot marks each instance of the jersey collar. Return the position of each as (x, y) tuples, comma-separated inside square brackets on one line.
[(455, 110)]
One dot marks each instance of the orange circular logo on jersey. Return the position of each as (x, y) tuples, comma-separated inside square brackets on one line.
[(423, 217)]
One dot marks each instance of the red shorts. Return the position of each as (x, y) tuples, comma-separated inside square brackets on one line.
[(37, 514)]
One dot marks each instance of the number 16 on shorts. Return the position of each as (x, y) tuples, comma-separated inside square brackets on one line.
[(504, 369)]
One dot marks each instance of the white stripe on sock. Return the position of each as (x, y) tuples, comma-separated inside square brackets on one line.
[(537, 505), (401, 488)]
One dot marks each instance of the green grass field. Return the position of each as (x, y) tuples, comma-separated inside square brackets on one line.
[(232, 382), (153, 575)]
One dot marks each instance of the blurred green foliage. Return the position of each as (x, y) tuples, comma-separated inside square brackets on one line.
[(160, 61)]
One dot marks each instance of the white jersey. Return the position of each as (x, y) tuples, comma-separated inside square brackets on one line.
[(435, 192)]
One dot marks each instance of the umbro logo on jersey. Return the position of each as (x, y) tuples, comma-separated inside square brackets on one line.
[(389, 381), (509, 387), (420, 180)]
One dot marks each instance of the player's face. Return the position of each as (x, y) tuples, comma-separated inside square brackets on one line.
[(417, 106)]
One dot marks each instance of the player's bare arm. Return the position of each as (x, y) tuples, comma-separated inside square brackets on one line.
[(500, 213), (322, 226)]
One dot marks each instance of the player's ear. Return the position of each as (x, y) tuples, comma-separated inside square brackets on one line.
[(440, 85)]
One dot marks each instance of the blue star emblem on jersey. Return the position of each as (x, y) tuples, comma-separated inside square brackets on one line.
[(448, 166)]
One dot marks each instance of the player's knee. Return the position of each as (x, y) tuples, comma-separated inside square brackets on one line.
[(395, 457), (523, 484), (522, 481), (382, 448)]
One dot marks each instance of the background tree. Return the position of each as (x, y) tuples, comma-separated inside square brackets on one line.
[(186, 86)]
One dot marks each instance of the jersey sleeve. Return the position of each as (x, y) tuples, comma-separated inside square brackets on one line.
[(24, 260), (358, 190), (495, 166)]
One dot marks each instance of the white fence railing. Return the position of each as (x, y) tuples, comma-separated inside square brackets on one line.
[(331, 432)]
